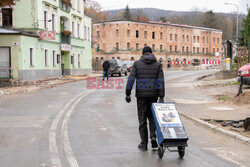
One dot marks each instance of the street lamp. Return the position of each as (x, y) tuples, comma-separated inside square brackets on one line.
[(237, 22)]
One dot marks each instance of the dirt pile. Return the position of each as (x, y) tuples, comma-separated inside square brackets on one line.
[(244, 98)]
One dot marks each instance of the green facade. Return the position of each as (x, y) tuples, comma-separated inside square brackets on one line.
[(28, 20)]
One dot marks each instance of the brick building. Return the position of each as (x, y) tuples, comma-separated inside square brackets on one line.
[(171, 42)]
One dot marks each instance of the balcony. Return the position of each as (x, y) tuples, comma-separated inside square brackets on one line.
[(65, 39), (65, 5)]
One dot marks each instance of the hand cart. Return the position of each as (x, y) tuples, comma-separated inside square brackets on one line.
[(170, 130)]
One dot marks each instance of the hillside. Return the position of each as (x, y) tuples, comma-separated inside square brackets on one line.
[(153, 13)]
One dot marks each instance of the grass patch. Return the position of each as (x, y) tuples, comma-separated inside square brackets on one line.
[(224, 98), (235, 83)]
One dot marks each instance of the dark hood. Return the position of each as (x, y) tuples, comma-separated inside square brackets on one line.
[(148, 58)]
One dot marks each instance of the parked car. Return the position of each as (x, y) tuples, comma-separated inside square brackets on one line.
[(129, 64), (196, 62), (245, 72), (117, 67)]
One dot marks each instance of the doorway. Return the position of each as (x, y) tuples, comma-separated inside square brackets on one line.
[(5, 71)]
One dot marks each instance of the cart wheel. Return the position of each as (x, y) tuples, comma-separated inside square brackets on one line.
[(181, 151), (160, 152)]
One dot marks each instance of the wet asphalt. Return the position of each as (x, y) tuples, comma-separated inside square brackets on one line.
[(100, 129)]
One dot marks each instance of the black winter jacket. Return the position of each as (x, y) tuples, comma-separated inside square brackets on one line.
[(149, 77), (106, 66)]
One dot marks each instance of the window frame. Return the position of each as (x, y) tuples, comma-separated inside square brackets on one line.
[(32, 57), (46, 57)]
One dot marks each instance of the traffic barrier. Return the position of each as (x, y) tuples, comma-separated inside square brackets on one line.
[(211, 62), (177, 62)]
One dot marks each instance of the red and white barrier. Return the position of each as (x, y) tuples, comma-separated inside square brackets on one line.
[(211, 62), (177, 62)]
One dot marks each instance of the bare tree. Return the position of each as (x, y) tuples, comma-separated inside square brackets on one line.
[(94, 10)]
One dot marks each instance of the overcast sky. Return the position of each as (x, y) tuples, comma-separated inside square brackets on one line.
[(178, 5)]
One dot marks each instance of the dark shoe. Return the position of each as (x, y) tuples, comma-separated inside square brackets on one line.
[(154, 143), (142, 147)]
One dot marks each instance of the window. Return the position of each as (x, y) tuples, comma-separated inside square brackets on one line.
[(145, 34), (207, 39), (137, 34), (176, 37), (54, 57), (187, 38), (214, 40), (117, 33), (73, 28), (137, 46), (89, 38), (175, 48), (128, 33), (117, 45), (7, 17), (194, 39), (46, 58), (198, 39), (187, 49), (72, 60), (153, 35), (170, 48), (78, 30), (218, 40), (53, 22), (203, 39), (207, 50), (31, 57), (153, 46), (79, 61), (198, 50), (128, 45), (171, 37), (193, 49), (183, 49), (161, 35), (213, 50), (78, 5), (85, 32), (161, 47), (203, 50), (45, 20), (183, 38), (98, 34)]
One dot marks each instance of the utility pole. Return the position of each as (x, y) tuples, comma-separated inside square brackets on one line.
[(237, 21)]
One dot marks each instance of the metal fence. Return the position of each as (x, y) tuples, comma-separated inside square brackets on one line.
[(243, 56)]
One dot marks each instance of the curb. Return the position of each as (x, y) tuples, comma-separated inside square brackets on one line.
[(221, 130), (40, 88)]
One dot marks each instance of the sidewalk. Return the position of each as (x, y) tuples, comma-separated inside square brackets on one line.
[(33, 86), (227, 112)]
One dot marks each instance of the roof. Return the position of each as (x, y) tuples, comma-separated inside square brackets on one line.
[(8, 31), (13, 31), (163, 24)]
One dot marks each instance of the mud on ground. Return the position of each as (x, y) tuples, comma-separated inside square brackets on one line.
[(226, 92)]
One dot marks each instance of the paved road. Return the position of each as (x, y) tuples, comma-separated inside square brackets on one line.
[(74, 126)]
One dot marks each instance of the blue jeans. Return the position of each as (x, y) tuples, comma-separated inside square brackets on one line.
[(105, 73)]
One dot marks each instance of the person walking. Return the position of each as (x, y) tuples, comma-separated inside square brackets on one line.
[(149, 77), (105, 67)]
